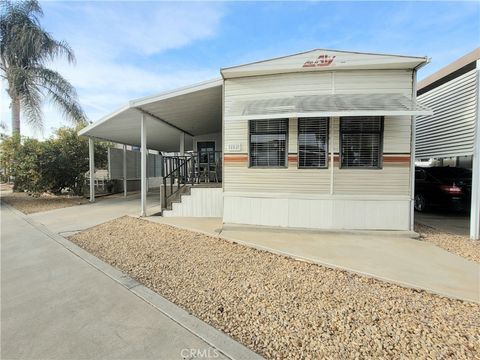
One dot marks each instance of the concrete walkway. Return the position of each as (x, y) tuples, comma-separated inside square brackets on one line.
[(396, 259), (56, 305)]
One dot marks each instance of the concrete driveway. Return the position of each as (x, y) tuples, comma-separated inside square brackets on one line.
[(453, 223), (66, 221), (56, 305)]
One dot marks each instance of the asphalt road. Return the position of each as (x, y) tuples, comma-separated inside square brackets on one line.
[(54, 305)]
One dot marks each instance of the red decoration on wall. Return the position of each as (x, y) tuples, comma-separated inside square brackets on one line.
[(322, 60)]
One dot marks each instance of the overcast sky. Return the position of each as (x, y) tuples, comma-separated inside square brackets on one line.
[(127, 50)]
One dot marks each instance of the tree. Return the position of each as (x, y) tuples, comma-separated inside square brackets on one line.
[(25, 50), (53, 165)]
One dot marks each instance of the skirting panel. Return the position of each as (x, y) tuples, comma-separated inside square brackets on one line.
[(202, 202), (319, 213)]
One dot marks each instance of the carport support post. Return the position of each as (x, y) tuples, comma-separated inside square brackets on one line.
[(143, 176), (475, 210), (91, 164), (475, 206), (125, 170), (182, 143)]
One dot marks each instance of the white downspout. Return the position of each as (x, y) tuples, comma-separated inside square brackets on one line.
[(332, 142), (143, 174), (412, 154), (91, 163)]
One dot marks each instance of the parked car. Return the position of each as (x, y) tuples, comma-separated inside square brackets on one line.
[(443, 187)]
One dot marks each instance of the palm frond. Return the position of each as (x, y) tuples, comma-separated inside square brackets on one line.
[(61, 92)]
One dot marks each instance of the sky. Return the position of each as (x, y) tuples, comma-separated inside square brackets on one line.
[(127, 50)]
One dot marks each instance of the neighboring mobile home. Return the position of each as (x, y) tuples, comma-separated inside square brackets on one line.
[(320, 139)]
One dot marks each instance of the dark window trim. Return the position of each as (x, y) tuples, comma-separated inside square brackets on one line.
[(250, 166), (328, 144), (340, 132)]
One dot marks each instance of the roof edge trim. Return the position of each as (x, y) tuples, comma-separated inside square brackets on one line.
[(104, 119), (319, 49), (177, 92)]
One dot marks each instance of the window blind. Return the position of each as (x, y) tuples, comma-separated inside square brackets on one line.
[(312, 142), (268, 142), (361, 142)]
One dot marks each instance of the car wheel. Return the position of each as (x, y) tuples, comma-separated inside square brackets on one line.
[(420, 203)]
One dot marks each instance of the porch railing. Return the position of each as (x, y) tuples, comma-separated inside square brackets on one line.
[(192, 168), (178, 171)]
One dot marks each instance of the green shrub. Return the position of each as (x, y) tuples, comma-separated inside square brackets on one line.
[(53, 165)]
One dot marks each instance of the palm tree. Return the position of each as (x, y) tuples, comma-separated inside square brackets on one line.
[(25, 50)]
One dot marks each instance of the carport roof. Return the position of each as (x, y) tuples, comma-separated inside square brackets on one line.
[(193, 110)]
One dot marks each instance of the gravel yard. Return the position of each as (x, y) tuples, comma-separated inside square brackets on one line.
[(282, 308), (457, 244), (29, 204)]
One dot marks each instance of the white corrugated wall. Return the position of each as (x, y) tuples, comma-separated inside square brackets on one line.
[(450, 131)]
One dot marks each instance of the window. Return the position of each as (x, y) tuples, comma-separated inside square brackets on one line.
[(268, 142), (312, 142), (361, 142)]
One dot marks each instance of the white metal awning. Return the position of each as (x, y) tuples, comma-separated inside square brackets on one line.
[(193, 110), (328, 105)]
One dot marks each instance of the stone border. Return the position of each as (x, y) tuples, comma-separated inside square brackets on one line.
[(215, 338)]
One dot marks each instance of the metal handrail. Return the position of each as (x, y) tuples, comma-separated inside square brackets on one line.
[(183, 169), (176, 169)]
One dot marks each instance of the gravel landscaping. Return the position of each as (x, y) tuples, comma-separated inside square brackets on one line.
[(457, 244), (282, 308), (29, 204)]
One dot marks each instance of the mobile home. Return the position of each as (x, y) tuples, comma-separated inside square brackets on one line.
[(320, 139)]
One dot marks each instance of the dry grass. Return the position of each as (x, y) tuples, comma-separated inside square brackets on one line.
[(282, 308), (29, 204), (457, 244)]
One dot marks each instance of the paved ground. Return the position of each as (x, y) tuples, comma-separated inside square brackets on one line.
[(73, 219), (57, 306), (454, 223), (397, 259)]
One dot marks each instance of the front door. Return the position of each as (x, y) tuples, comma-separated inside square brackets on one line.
[(206, 152)]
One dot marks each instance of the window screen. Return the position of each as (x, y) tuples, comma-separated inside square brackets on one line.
[(268, 142), (312, 142), (361, 142)]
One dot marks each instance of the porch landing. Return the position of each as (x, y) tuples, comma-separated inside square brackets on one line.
[(388, 256)]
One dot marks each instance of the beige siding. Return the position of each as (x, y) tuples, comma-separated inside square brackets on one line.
[(292, 140), (291, 180), (284, 85), (373, 81), (392, 180)]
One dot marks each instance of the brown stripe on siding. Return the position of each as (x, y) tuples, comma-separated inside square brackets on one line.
[(292, 158), (396, 158), (235, 158)]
